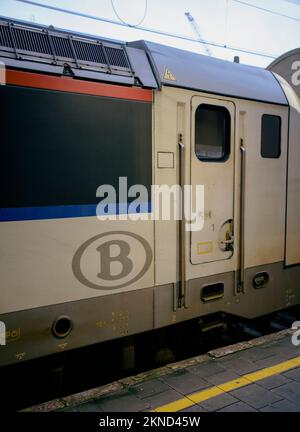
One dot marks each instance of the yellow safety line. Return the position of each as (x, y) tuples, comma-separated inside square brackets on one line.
[(203, 395)]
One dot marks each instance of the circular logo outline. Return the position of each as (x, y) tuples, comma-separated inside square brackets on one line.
[(76, 268)]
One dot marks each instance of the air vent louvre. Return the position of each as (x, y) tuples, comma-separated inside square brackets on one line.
[(5, 38), (62, 47), (89, 52), (32, 41), (116, 57), (48, 45)]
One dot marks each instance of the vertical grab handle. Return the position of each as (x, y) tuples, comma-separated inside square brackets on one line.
[(241, 282), (182, 252)]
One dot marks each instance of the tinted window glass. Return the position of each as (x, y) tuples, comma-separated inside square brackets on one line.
[(270, 136), (212, 133), (57, 147)]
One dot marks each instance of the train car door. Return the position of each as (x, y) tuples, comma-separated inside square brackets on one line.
[(265, 141), (212, 165)]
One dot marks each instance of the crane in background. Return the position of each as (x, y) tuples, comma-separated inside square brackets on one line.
[(198, 33)]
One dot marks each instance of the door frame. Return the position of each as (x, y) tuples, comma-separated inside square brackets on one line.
[(226, 103)]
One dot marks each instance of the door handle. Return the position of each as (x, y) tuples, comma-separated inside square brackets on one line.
[(182, 252), (228, 242), (241, 281)]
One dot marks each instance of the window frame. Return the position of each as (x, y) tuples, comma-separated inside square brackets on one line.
[(261, 136), (64, 166), (227, 133)]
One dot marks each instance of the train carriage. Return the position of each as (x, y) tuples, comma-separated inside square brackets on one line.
[(78, 113)]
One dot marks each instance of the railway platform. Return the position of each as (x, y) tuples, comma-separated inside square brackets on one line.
[(259, 375)]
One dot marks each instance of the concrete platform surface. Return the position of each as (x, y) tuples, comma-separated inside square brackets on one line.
[(258, 375)]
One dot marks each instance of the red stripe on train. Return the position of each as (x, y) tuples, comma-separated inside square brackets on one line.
[(28, 79)]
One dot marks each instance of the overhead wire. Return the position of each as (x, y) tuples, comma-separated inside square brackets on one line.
[(146, 29), (266, 10), (124, 22)]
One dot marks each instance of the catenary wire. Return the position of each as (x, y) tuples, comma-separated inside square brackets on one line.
[(146, 29), (124, 22)]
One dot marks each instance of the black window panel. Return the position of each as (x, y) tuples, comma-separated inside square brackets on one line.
[(270, 136), (212, 133), (57, 147)]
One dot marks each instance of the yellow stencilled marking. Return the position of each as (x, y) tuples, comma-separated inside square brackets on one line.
[(168, 75), (242, 381), (21, 355), (62, 346), (204, 247), (13, 335)]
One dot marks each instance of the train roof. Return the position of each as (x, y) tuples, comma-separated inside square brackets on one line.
[(147, 64), (175, 67)]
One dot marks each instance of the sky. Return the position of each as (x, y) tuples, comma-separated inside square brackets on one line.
[(226, 22)]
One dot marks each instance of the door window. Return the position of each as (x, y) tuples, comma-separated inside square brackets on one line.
[(212, 133), (270, 136)]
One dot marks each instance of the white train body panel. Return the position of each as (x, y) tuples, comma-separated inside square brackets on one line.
[(265, 185), (36, 260)]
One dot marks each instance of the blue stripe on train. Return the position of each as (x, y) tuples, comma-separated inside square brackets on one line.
[(69, 211)]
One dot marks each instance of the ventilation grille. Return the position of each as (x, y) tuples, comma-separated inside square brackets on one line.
[(89, 52), (49, 46), (62, 47), (31, 41), (115, 57), (5, 37)]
